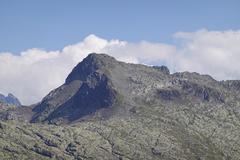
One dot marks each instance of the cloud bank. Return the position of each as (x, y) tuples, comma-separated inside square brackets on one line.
[(34, 72)]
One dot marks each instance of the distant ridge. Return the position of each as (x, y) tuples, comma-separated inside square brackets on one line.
[(10, 99)]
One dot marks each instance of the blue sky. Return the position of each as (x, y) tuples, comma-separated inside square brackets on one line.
[(53, 24)]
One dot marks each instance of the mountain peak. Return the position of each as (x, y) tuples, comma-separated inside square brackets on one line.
[(10, 99), (90, 64), (100, 56), (101, 83), (87, 89)]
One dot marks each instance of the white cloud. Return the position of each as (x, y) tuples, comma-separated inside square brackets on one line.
[(210, 52), (35, 72)]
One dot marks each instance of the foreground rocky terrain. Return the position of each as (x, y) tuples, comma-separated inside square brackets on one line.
[(108, 109)]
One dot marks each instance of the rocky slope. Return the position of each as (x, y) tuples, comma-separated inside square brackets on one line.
[(108, 109)]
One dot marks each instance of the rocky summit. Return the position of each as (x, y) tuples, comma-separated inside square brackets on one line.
[(108, 109), (10, 99)]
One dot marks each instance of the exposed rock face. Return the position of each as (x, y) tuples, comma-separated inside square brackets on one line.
[(10, 100), (116, 110), (164, 69)]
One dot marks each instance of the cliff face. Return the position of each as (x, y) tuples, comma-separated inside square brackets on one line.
[(108, 109)]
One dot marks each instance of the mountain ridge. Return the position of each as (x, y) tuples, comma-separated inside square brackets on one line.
[(151, 82), (108, 109)]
